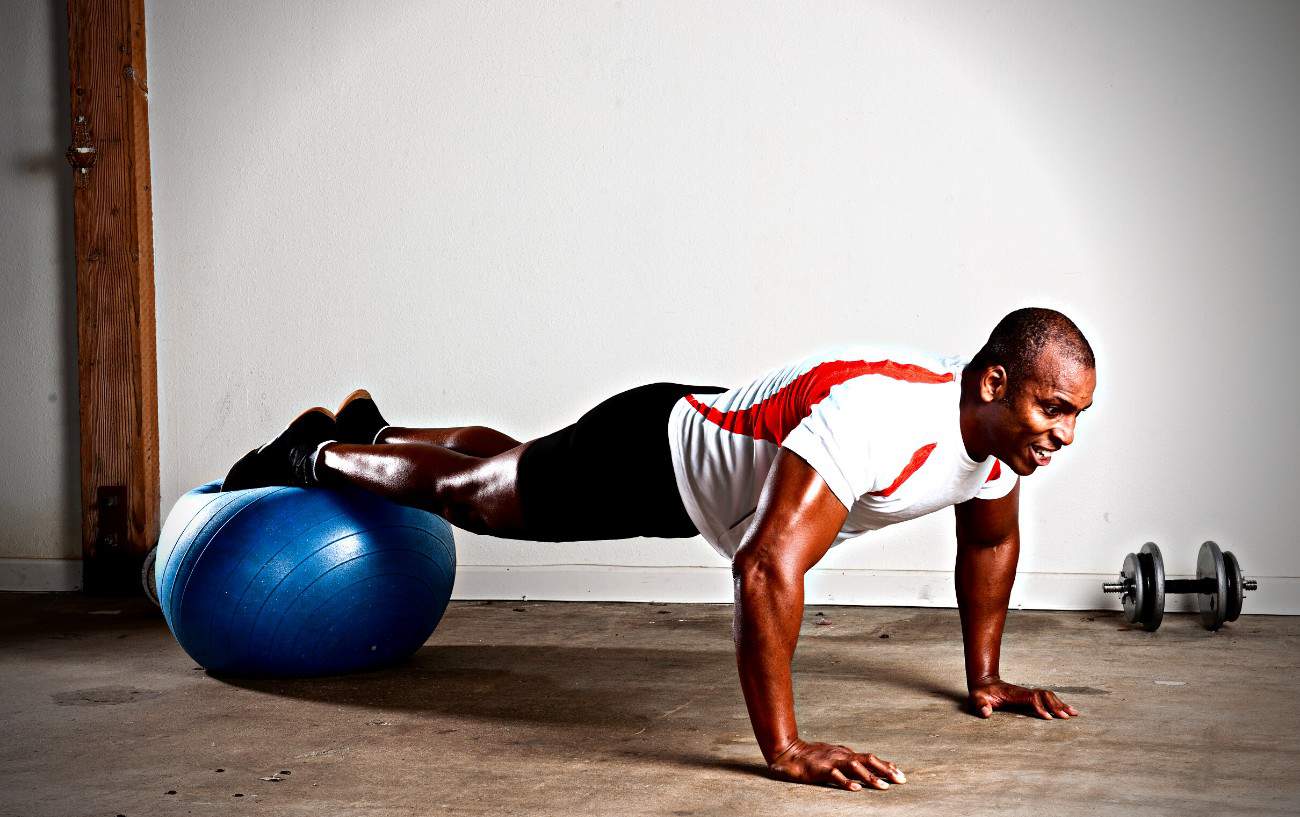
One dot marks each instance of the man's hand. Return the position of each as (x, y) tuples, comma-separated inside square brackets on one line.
[(993, 695), (822, 763)]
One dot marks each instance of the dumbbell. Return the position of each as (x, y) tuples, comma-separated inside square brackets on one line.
[(1219, 586)]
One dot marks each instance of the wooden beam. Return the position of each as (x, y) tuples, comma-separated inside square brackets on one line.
[(116, 354)]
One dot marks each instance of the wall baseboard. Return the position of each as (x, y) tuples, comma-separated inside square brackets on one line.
[(40, 575), (1277, 595), (882, 588)]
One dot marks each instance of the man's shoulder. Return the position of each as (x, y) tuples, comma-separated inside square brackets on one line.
[(878, 396), (871, 368)]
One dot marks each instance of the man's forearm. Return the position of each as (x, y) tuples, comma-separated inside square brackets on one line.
[(768, 612), (984, 576)]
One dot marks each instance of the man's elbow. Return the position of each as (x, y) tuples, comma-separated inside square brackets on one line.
[(1002, 537), (985, 543), (754, 571)]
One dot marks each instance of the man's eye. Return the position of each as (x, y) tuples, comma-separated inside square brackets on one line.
[(1051, 411)]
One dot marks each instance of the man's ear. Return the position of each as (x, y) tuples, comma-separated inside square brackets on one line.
[(993, 385)]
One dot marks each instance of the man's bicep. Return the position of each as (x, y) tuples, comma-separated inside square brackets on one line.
[(988, 521), (797, 519)]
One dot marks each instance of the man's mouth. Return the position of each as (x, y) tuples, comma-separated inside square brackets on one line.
[(1042, 456)]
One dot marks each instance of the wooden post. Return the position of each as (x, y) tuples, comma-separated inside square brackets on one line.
[(116, 355)]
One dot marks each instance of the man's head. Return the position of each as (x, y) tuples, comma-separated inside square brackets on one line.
[(1024, 390)]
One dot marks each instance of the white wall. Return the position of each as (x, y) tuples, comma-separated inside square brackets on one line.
[(502, 213), (39, 482)]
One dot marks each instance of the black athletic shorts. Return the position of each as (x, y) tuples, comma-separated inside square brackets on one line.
[(610, 474)]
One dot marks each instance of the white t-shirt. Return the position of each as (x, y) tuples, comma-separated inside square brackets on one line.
[(880, 427)]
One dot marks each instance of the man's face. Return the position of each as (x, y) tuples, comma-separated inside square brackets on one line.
[(1039, 417)]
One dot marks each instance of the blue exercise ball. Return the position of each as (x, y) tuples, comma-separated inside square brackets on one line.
[(293, 582)]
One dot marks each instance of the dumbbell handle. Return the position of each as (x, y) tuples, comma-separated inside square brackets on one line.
[(1174, 586), (1191, 586)]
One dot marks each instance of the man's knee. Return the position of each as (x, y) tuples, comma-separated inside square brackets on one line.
[(482, 500)]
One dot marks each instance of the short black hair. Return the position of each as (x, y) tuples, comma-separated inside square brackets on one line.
[(1020, 337)]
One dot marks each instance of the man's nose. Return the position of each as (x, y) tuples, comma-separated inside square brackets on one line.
[(1064, 432)]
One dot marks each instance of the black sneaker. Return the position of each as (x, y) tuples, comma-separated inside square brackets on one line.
[(287, 459), (358, 420)]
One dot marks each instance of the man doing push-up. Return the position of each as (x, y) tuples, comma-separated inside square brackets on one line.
[(772, 473)]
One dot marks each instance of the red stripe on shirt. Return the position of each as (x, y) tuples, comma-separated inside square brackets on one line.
[(774, 417), (996, 472), (918, 459)]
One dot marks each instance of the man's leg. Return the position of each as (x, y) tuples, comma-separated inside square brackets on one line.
[(358, 421), (478, 494), (476, 441), (609, 475)]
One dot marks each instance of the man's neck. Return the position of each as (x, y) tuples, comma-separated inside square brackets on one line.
[(967, 407)]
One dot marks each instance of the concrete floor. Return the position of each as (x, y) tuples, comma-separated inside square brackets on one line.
[(630, 709)]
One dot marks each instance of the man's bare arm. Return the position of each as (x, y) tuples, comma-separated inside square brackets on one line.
[(988, 548), (795, 524)]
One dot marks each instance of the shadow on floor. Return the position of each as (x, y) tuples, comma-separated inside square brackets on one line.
[(564, 685)]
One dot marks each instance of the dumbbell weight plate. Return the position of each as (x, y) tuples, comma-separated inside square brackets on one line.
[(1135, 597), (1213, 606), (1236, 592), (1155, 592), (147, 582)]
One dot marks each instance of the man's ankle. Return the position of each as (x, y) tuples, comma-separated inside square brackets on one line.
[(316, 471)]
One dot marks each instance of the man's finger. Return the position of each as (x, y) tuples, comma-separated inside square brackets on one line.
[(885, 769), (838, 778), (864, 774), (1039, 708), (1054, 705), (1057, 706)]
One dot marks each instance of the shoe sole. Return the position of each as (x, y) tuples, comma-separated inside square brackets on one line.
[(359, 394)]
